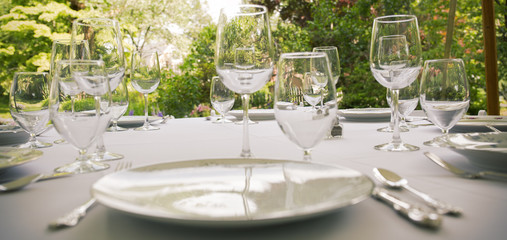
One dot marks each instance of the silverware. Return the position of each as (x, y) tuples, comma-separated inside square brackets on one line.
[(393, 180), (24, 181), (472, 175), (416, 214), (72, 218)]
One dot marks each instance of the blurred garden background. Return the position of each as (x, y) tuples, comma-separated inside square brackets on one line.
[(183, 33)]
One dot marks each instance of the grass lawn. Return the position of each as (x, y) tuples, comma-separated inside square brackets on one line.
[(4, 108)]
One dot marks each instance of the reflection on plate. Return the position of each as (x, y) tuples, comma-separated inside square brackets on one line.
[(12, 135), (11, 157), (254, 114), (365, 114), (477, 123), (488, 150), (232, 192), (135, 121)]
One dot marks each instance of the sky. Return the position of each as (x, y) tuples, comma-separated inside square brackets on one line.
[(216, 5)]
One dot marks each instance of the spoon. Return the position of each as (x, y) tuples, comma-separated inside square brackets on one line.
[(393, 180), (24, 181)]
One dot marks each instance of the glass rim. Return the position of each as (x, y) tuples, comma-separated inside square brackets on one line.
[(238, 12), (299, 55), (396, 18), (444, 60), (80, 21), (324, 47), (81, 61), (34, 73)]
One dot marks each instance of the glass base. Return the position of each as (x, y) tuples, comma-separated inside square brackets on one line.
[(107, 156), (396, 147), (82, 167), (146, 128), (390, 130), (225, 120), (116, 129), (434, 143), (35, 144), (60, 141), (250, 122)]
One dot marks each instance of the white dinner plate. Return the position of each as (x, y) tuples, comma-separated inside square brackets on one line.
[(254, 114), (135, 121), (11, 157), (487, 150), (365, 114), (232, 192), (477, 123)]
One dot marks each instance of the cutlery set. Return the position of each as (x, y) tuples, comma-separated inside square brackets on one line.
[(423, 216)]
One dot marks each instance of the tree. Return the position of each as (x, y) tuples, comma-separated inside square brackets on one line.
[(26, 36)]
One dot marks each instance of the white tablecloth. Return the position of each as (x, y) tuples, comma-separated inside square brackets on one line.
[(25, 214)]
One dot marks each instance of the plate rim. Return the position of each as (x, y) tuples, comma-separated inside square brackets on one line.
[(328, 207), (36, 154)]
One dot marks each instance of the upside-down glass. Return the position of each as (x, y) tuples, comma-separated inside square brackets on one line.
[(79, 126), (244, 57), (395, 62), (221, 98), (302, 122), (408, 98), (145, 78), (445, 95), (28, 104)]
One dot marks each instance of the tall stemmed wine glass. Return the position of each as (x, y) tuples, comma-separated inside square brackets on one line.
[(28, 104), (221, 98), (395, 61), (61, 50), (80, 126), (105, 43), (244, 57), (445, 94), (304, 123), (145, 78)]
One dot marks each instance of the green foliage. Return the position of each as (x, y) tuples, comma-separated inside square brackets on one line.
[(178, 94), (27, 32)]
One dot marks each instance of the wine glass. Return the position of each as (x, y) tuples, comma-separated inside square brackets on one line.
[(395, 62), (79, 123), (221, 98), (145, 78), (334, 62), (445, 94), (244, 57), (302, 122), (61, 50), (28, 104), (120, 103), (105, 43), (407, 102)]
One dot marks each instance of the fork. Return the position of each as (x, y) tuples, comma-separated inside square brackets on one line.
[(472, 175), (72, 218)]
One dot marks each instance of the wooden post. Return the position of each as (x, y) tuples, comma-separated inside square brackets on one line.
[(490, 56)]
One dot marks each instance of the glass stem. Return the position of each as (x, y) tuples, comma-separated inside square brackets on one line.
[(146, 123), (396, 130), (72, 100), (101, 149), (245, 152), (307, 156), (82, 155), (223, 118), (32, 140)]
